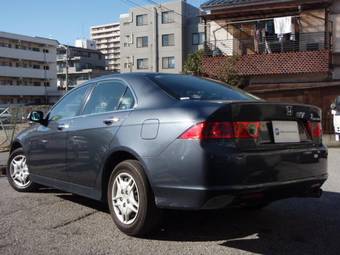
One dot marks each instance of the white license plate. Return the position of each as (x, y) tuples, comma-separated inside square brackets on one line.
[(286, 132)]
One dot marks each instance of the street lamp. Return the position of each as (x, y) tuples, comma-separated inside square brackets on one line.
[(66, 66)]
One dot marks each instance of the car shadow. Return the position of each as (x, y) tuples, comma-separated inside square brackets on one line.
[(293, 226), (97, 205)]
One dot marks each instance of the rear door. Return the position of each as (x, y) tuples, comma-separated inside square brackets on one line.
[(91, 134)]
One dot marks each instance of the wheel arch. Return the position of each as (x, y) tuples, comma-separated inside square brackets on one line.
[(113, 159), (15, 145)]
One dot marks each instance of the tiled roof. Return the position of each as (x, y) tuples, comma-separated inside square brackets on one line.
[(214, 3)]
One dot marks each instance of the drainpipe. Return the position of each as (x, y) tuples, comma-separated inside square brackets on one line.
[(155, 41)]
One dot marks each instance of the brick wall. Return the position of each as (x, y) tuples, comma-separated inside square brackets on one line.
[(272, 64)]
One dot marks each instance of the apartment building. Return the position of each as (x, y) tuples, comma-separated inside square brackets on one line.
[(107, 39), (158, 38), (27, 69), (76, 65)]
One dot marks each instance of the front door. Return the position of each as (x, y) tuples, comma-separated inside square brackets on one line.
[(91, 133), (47, 153)]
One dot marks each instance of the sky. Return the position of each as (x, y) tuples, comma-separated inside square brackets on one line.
[(63, 20)]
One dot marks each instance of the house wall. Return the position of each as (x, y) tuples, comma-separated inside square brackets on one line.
[(335, 19), (312, 29), (219, 36)]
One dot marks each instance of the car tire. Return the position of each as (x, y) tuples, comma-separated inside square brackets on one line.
[(18, 172), (131, 200)]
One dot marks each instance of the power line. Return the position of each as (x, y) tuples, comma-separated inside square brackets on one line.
[(162, 6), (136, 4)]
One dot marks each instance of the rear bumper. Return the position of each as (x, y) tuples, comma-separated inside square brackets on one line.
[(187, 176), (217, 198)]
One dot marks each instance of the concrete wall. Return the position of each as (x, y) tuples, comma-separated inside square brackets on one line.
[(219, 36)]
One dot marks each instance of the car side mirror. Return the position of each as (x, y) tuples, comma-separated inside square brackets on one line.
[(36, 116)]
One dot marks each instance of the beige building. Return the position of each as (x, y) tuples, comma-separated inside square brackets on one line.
[(27, 69), (107, 38), (158, 38)]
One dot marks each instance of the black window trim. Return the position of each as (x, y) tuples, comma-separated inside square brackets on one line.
[(113, 111), (143, 24), (141, 37), (199, 38), (87, 93), (169, 45), (168, 57), (142, 59), (168, 11)]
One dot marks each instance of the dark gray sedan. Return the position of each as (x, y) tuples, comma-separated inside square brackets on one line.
[(149, 141)]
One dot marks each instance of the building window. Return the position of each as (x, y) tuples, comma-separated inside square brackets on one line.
[(46, 68), (142, 42), (168, 40), (168, 17), (142, 63), (198, 38), (142, 20), (168, 62), (45, 50)]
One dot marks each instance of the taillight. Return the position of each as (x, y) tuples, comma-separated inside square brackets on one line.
[(222, 130), (315, 129)]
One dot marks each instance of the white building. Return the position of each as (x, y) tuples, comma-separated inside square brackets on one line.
[(107, 38), (85, 43), (28, 71)]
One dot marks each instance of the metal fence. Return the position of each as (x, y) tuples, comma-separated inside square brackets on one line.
[(13, 119), (268, 44)]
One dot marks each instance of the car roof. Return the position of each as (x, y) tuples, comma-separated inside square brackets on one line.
[(127, 75)]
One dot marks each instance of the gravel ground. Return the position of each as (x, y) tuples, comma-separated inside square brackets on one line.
[(53, 222)]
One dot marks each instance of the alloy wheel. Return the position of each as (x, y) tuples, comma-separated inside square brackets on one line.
[(125, 198), (19, 171)]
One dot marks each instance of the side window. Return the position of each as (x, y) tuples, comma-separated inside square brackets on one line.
[(105, 97), (69, 106), (127, 101)]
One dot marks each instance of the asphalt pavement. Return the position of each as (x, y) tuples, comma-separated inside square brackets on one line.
[(53, 222)]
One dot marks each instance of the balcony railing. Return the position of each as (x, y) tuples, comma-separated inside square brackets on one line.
[(296, 42)]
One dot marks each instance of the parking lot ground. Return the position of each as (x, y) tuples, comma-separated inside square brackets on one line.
[(53, 222), (3, 162)]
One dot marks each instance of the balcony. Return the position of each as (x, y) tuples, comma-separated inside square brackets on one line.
[(299, 54), (27, 54), (8, 71)]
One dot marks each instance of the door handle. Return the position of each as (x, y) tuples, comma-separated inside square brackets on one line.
[(63, 126), (110, 121)]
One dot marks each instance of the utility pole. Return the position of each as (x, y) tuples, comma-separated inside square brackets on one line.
[(66, 64), (155, 41)]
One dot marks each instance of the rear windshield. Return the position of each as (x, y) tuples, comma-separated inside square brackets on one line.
[(186, 87)]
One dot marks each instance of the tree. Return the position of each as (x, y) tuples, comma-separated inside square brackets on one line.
[(227, 72), (193, 63)]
